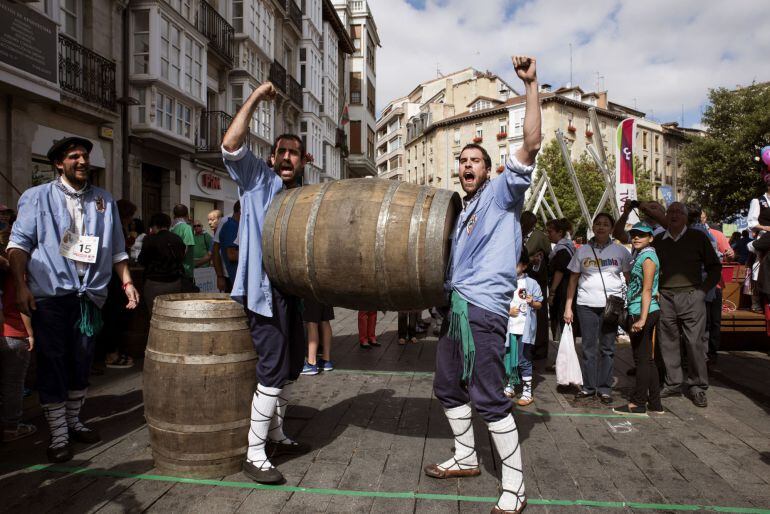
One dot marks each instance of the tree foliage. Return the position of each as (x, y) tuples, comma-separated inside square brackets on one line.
[(592, 183), (722, 174)]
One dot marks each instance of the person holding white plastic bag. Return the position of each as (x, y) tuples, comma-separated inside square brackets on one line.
[(596, 271)]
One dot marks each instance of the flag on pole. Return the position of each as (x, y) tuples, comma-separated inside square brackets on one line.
[(345, 118), (625, 185)]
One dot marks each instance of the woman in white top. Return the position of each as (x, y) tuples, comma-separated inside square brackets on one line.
[(596, 274)]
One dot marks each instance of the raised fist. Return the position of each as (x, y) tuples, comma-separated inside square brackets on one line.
[(525, 68)]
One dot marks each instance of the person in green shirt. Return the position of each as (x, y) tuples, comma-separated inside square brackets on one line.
[(643, 315), (181, 227), (202, 254)]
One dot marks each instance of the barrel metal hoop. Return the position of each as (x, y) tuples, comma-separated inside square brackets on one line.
[(215, 325), (379, 244), (435, 267), (176, 456), (309, 233), (185, 428), (175, 358), (413, 265), (283, 276), (268, 234)]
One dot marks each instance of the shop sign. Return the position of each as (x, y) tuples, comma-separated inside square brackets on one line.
[(209, 181)]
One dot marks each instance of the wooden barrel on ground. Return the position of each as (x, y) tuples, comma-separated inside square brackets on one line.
[(198, 384), (368, 244)]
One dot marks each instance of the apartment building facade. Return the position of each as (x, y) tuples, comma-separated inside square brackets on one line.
[(154, 84), (58, 77), (433, 144), (361, 85)]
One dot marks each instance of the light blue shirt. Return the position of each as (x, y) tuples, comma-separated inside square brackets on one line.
[(258, 184), (42, 220), (486, 242)]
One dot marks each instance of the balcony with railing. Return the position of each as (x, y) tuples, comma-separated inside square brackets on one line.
[(219, 32), (278, 76), (212, 128), (295, 14), (86, 74), (295, 92)]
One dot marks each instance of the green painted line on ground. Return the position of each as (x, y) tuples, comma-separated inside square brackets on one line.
[(518, 411), (403, 495)]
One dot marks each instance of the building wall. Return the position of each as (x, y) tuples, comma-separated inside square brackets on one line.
[(36, 113)]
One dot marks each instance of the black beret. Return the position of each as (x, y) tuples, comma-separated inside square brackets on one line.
[(62, 145)]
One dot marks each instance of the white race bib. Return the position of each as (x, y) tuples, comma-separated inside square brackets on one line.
[(79, 248)]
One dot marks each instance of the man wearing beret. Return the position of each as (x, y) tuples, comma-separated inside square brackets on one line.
[(63, 246)]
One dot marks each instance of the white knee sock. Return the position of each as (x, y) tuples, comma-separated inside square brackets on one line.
[(276, 434), (262, 410), (506, 439), (526, 391), (55, 415), (465, 447), (75, 400)]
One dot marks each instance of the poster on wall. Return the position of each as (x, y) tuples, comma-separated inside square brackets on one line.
[(206, 280), (42, 172)]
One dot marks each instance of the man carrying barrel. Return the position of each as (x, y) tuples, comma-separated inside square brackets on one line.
[(63, 247), (482, 279), (274, 318)]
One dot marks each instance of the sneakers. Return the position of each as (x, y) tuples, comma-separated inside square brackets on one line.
[(309, 369), (509, 392), (655, 409), (605, 398), (328, 365), (628, 410)]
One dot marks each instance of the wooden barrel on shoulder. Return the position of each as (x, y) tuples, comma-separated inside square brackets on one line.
[(199, 380), (368, 244)]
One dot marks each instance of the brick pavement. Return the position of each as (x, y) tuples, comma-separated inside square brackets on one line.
[(373, 424)]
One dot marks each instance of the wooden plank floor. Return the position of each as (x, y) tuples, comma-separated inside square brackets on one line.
[(374, 423)]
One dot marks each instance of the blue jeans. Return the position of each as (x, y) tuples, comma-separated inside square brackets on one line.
[(525, 360), (598, 341), (14, 359)]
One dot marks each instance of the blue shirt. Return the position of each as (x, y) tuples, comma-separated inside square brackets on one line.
[(42, 221), (636, 281), (227, 237), (486, 242), (258, 184)]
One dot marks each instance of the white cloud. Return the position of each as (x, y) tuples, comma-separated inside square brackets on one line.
[(660, 54)]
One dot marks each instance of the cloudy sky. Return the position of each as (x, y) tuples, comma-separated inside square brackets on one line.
[(660, 55)]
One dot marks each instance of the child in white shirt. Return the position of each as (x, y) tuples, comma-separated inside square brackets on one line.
[(522, 327)]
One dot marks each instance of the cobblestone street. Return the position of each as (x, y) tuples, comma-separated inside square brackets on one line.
[(373, 424)]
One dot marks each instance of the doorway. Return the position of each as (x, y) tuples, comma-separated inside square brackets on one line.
[(152, 191)]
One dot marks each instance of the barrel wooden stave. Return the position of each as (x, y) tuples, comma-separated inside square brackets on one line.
[(361, 243), (198, 383)]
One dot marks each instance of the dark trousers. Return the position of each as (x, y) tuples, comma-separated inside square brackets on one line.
[(647, 387), (714, 322), (407, 324), (279, 341), (683, 314), (63, 353), (598, 342), (485, 388), (116, 321)]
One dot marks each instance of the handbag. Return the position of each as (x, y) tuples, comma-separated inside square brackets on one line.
[(615, 308)]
